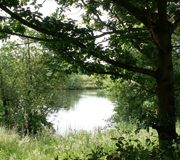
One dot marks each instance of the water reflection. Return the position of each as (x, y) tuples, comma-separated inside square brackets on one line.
[(86, 112)]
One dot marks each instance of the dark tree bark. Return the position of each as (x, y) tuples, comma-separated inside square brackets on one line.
[(165, 91)]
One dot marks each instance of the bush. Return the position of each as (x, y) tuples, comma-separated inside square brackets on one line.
[(74, 81)]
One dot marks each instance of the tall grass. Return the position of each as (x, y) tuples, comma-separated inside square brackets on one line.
[(47, 146), (81, 144)]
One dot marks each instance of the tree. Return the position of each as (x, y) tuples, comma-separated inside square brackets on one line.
[(29, 89), (133, 103), (139, 34), (74, 82)]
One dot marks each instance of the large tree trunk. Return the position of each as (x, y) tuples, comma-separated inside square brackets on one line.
[(165, 91)]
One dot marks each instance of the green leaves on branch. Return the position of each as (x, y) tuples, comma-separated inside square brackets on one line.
[(28, 88)]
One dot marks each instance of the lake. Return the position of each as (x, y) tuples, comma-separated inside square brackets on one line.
[(87, 111)]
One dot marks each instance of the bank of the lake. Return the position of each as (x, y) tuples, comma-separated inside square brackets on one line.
[(80, 144), (90, 82), (85, 82), (94, 144)]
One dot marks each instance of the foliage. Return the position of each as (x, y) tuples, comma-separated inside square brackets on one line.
[(46, 145), (96, 144), (101, 92), (79, 81), (137, 42), (130, 101), (74, 81), (28, 89)]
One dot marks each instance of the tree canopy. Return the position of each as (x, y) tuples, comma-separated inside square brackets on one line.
[(28, 87), (137, 42)]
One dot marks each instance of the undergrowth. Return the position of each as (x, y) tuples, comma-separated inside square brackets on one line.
[(118, 143)]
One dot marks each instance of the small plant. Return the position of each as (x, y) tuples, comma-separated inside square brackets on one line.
[(98, 153)]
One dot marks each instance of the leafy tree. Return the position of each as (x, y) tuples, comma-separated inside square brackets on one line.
[(74, 81), (28, 88), (131, 102), (140, 34)]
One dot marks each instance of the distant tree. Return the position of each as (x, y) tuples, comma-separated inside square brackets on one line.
[(74, 81), (141, 36)]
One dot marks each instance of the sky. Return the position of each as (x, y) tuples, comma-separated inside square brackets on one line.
[(49, 6)]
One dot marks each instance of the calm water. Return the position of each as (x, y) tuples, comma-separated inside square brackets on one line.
[(87, 111)]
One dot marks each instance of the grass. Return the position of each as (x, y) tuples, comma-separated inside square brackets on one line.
[(81, 144), (47, 146)]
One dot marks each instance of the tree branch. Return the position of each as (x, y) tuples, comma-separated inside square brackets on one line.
[(126, 66), (175, 19), (138, 13), (104, 72), (142, 86), (26, 36), (26, 23), (176, 46), (151, 27), (41, 30), (76, 41), (88, 67), (120, 32)]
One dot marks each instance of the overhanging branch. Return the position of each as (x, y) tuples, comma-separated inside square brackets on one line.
[(120, 32), (142, 86), (77, 41), (126, 66), (26, 23), (138, 13), (176, 46), (175, 19), (89, 67), (26, 36)]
